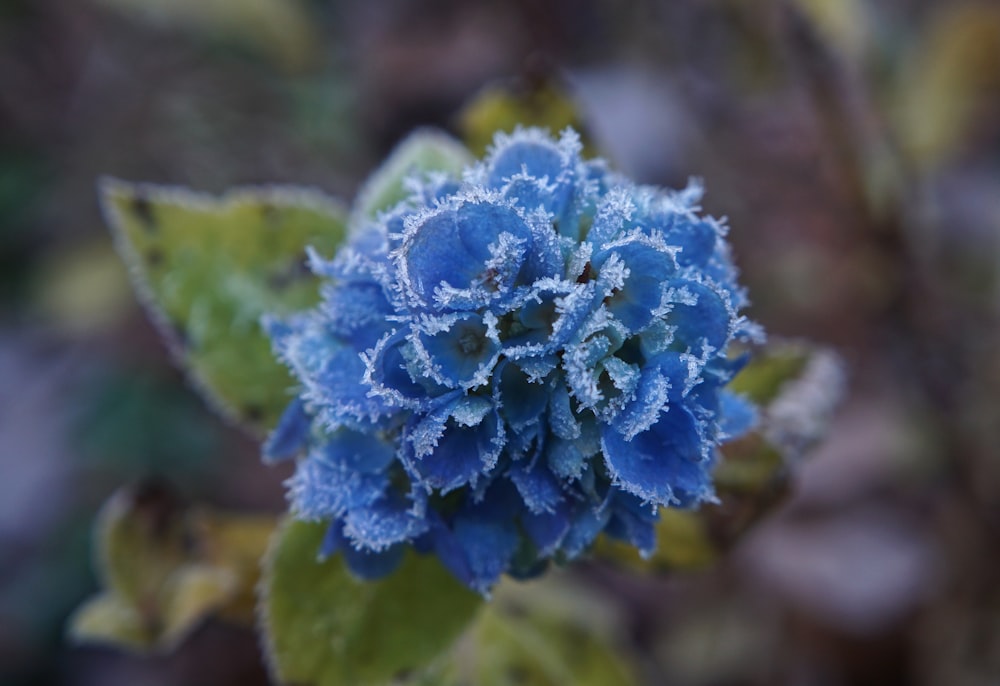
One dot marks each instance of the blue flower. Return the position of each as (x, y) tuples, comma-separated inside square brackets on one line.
[(508, 364)]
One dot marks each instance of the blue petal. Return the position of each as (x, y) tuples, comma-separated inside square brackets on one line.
[(696, 239), (461, 352), (633, 522), (367, 565), (361, 452), (547, 529), (526, 153), (565, 458), (457, 248), (644, 410), (387, 372), (449, 453), (666, 378), (638, 301), (588, 522), (531, 193), (325, 484), (537, 486), (488, 546), (737, 415), (357, 312), (562, 419), (665, 465), (477, 546), (699, 312), (523, 401), (613, 213), (553, 313), (291, 436), (448, 549), (384, 523), (340, 394)]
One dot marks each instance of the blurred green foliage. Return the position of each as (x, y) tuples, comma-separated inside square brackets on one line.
[(322, 626), (209, 268), (165, 568)]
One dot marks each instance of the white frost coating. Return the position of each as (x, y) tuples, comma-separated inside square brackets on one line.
[(801, 413)]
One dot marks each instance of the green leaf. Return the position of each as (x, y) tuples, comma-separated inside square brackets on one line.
[(769, 369), (504, 107), (108, 619), (165, 568), (425, 150), (548, 632), (797, 388), (208, 268), (324, 627)]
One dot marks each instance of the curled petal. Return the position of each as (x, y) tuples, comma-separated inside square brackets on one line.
[(461, 353), (699, 313), (327, 484), (291, 436), (454, 445), (383, 524), (365, 564), (665, 465), (476, 248), (538, 488)]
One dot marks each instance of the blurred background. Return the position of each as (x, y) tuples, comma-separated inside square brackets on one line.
[(854, 146)]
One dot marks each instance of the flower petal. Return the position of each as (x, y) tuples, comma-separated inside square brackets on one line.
[(367, 565), (665, 465)]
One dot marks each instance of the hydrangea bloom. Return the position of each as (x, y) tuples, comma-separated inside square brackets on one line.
[(508, 364)]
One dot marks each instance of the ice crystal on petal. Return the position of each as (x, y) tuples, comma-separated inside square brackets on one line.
[(511, 362)]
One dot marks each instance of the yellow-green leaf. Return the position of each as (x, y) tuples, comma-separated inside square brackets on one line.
[(546, 632), (208, 268), (503, 108), (192, 593), (422, 151), (771, 367), (108, 619), (323, 627), (165, 568)]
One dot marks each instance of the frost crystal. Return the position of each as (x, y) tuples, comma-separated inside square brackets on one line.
[(506, 365)]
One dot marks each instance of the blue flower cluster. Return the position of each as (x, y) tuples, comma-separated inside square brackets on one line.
[(508, 364)]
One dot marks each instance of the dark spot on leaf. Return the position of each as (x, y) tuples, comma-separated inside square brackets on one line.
[(155, 257), (156, 505), (253, 412), (585, 274), (142, 208), (296, 271), (517, 674), (515, 611), (269, 213)]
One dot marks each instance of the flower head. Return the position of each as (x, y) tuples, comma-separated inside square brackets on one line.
[(508, 364)]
